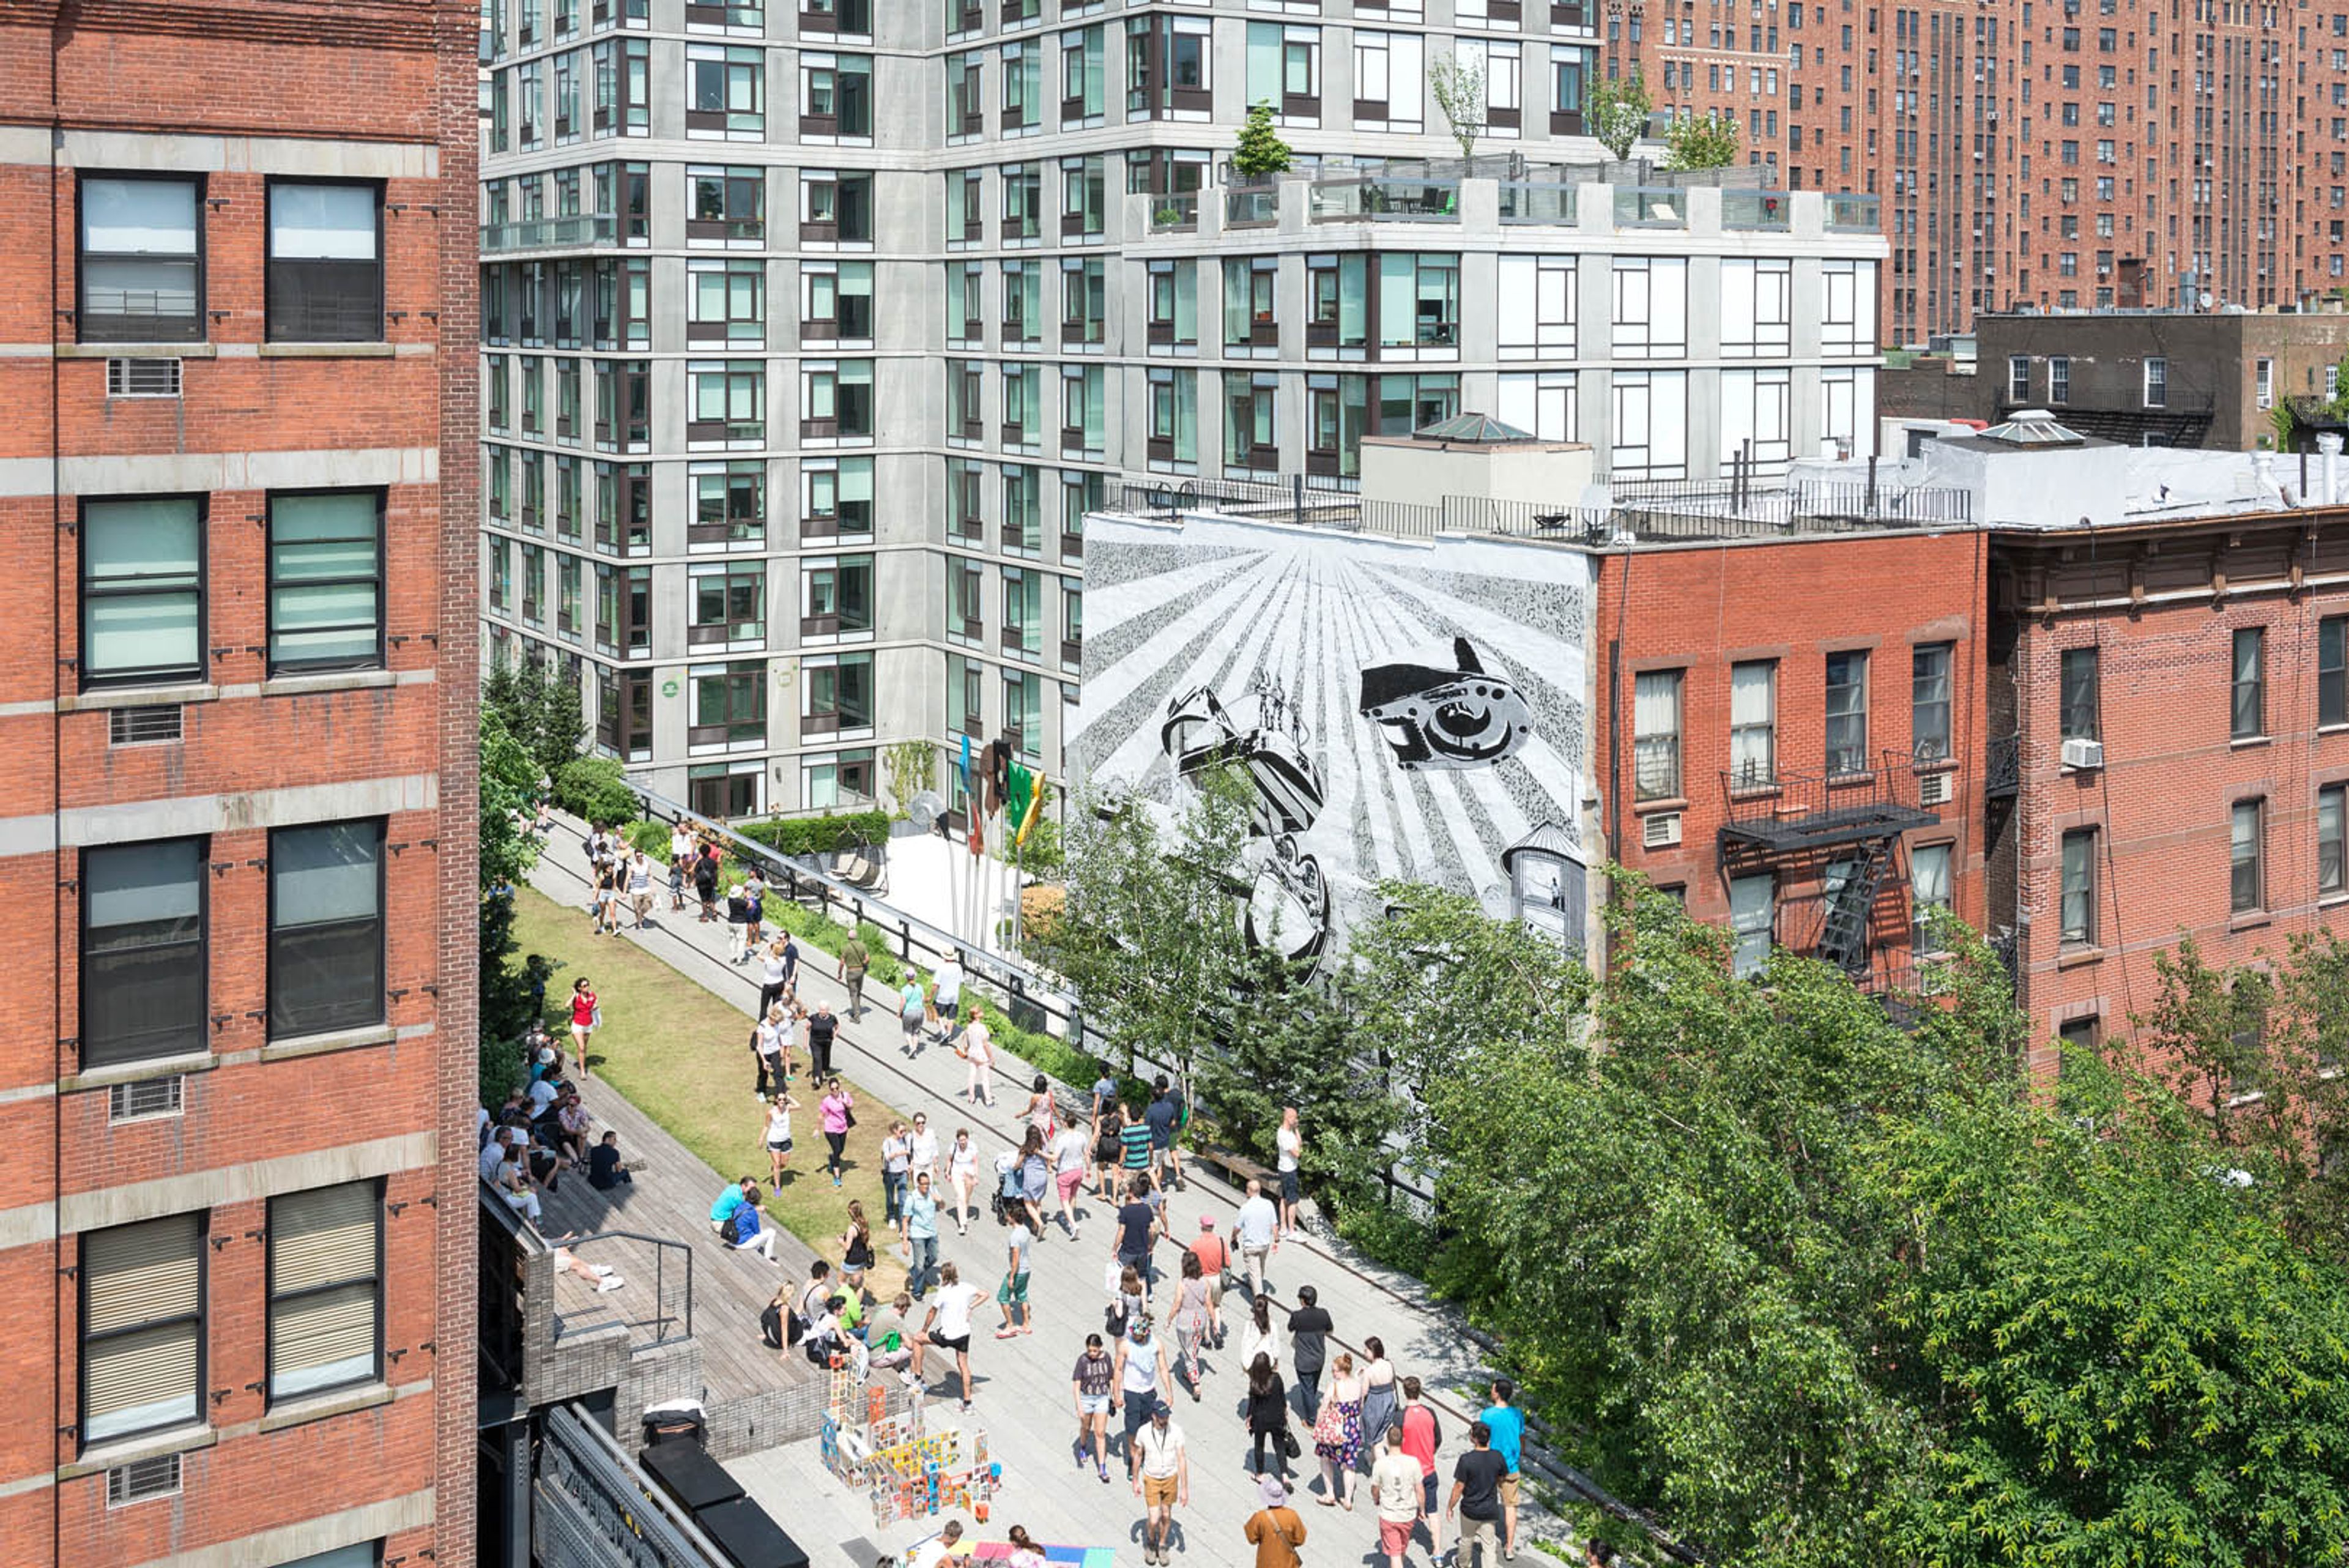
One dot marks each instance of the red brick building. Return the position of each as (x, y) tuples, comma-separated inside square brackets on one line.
[(2056, 155), (1790, 734), (2172, 697), (237, 1231)]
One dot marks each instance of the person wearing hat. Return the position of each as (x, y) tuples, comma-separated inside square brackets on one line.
[(1216, 1262), (1275, 1530), (1162, 1479)]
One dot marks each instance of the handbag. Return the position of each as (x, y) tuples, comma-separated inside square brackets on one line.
[(1329, 1426), (595, 1016), (1289, 1443)]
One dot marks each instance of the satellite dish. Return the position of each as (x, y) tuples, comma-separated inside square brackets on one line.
[(925, 808), (2206, 301)]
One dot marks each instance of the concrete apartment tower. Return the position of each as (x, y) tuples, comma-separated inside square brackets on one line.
[(237, 1089), (813, 329)]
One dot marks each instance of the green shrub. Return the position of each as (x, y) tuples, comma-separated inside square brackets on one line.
[(887, 967), (1389, 1236), (818, 835), (650, 836), (590, 788)]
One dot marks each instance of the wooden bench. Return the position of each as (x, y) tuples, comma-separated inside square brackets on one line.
[(1237, 1169)]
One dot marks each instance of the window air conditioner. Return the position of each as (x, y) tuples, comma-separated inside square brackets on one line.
[(2079, 752), (1661, 831)]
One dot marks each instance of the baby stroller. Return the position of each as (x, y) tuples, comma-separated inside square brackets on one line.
[(1009, 1194)]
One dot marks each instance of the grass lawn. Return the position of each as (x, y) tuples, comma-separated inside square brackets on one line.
[(682, 1057)]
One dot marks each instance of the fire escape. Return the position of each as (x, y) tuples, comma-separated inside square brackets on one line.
[(1840, 831)]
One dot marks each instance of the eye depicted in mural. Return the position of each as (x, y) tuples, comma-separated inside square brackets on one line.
[(1435, 718)]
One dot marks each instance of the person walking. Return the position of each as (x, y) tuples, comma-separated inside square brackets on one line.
[(1506, 1423), (640, 889), (978, 1051), (911, 1012), (1308, 1332), (754, 899), (838, 1111), (854, 961), (1256, 1227), (947, 1327), (1338, 1431), (1394, 1493), (1378, 1395), (737, 924), (680, 863), (1162, 1479), (1275, 1528), (1011, 1295), (820, 1028), (1216, 1266), (1107, 1150), (586, 1014), (1137, 1231), (774, 976), (1039, 1112), (1422, 1436), (1069, 1148), (768, 1046), (962, 1175), (921, 1235), (856, 1243), (1265, 1405), (704, 886), (1258, 1338), (791, 960), (949, 981), (1289, 1149), (1142, 1378), (1159, 1115), (1134, 1146), (1035, 1179), (923, 1144), (779, 1136), (896, 1159), (1476, 1478), (1095, 1376), (1187, 1317)]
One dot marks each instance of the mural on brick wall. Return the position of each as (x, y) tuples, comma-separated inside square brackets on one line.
[(1402, 711)]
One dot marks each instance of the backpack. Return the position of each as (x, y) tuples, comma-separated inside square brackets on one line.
[(732, 1232)]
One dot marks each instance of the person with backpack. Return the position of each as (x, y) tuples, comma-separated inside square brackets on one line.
[(735, 1218)]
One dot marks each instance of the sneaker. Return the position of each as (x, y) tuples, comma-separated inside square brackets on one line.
[(908, 1379), (609, 1282)]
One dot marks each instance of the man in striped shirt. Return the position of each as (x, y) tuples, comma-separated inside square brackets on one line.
[(1132, 1142)]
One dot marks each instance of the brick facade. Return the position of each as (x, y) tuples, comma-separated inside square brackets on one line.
[(237, 96)]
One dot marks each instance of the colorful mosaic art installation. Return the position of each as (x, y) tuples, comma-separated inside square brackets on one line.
[(905, 1469)]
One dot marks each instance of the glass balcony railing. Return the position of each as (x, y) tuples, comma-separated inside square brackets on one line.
[(541, 234), (1537, 204), (1767, 209), (1174, 212), (1251, 206), (1643, 207), (1378, 200), (1853, 214)]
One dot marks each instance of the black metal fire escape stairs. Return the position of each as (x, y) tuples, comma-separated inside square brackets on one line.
[(1851, 818)]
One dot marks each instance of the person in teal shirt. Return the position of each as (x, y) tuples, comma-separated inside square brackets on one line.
[(1507, 1424), (730, 1200), (921, 1235)]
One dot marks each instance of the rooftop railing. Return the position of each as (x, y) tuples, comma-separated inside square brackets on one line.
[(1766, 210), (1853, 214), (1251, 206), (1528, 202), (1375, 199), (542, 233), (1648, 207)]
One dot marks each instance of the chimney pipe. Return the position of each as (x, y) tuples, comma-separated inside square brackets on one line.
[(2328, 446)]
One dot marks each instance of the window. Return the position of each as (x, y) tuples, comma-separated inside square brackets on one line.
[(2059, 379), (2079, 1034), (1752, 915), (142, 591), (837, 301), (836, 596), (142, 1327), (730, 401), (2247, 889), (729, 704), (326, 581), (1757, 307), (1846, 713), (325, 263), (2332, 671), (2264, 383), (2157, 384), (1656, 730), (839, 498), (2018, 378), (1928, 703), (2248, 711), (729, 302), (141, 260), (727, 204), (729, 504), (2079, 888), (2332, 865), (1928, 889), (844, 778), (730, 92), (1753, 724), (729, 604), (142, 952), (326, 1289), (2080, 718), (839, 695), (325, 928), (723, 791), (1650, 307)]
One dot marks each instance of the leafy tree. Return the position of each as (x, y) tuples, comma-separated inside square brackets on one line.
[(541, 709), (509, 779), (1615, 114), (1708, 142), (590, 788), (1260, 150), (1458, 85)]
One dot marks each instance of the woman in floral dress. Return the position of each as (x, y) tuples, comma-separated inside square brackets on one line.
[(1338, 1433)]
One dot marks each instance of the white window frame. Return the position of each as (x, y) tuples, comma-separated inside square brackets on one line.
[(1539, 299)]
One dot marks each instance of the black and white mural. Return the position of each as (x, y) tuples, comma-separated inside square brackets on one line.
[(1403, 709)]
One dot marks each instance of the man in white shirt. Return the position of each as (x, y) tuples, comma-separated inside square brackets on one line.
[(947, 1327), (494, 1153), (1162, 1479), (949, 978), (1258, 1223), (640, 887), (939, 1550), (1395, 1490)]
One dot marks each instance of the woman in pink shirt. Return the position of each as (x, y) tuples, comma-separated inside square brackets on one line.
[(838, 1109)]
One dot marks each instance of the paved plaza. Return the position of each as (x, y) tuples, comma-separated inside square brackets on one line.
[(1023, 1398)]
